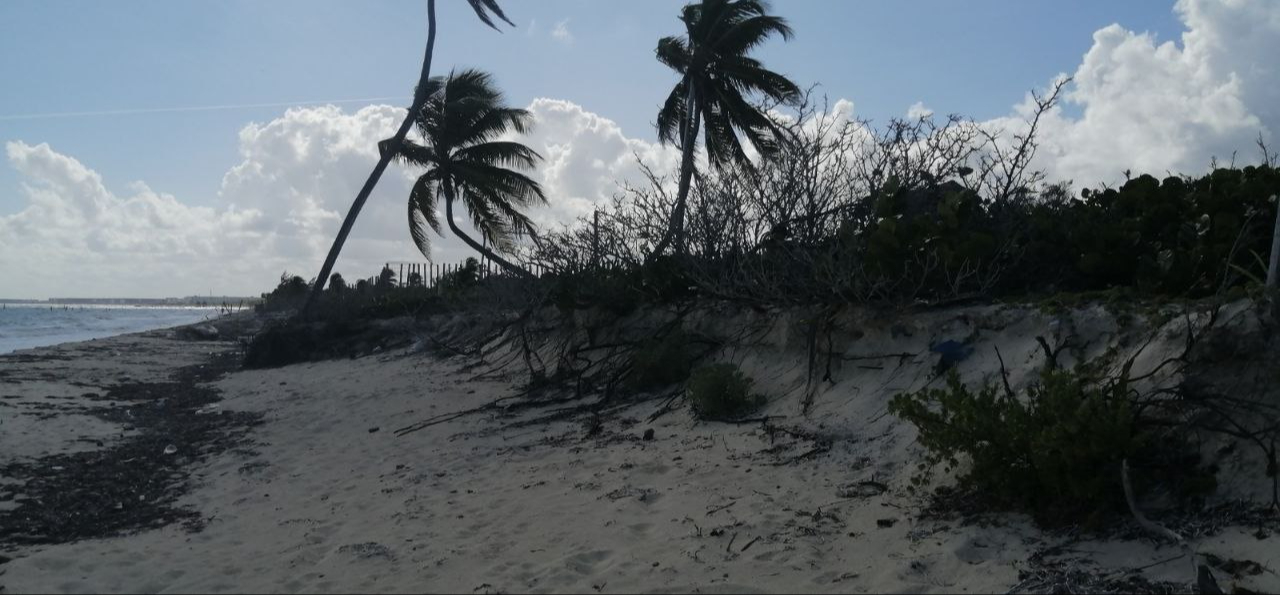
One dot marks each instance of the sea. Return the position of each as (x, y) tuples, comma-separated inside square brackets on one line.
[(23, 326)]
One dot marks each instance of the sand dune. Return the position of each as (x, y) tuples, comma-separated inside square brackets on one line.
[(324, 496)]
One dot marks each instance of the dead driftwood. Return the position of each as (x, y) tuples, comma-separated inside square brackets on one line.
[(566, 363), (1159, 531)]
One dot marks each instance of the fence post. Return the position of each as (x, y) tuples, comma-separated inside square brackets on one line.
[(1272, 273)]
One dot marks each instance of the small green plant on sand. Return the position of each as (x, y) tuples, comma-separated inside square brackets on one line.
[(722, 391), (1054, 452)]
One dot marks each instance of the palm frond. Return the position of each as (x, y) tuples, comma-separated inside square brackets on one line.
[(747, 34), (496, 122), (422, 214), (412, 153), (674, 112), (744, 115), (750, 76), (509, 217), (470, 83), (500, 153), (674, 52), (497, 181), (484, 7), (723, 146), (487, 221), (701, 18)]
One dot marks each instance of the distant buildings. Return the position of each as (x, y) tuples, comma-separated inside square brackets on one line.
[(189, 301)]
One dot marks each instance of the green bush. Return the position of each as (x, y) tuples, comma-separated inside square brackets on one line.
[(1057, 452), (722, 391), (290, 293), (661, 362)]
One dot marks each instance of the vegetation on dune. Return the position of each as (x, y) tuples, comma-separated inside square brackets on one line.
[(1056, 451), (803, 207), (722, 392), (842, 215), (828, 210)]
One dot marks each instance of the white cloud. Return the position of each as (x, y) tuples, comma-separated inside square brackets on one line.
[(586, 156), (561, 32), (282, 205), (1167, 107), (1142, 105), (918, 110), (78, 238)]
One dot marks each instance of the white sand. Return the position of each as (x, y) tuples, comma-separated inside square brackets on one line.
[(324, 503)]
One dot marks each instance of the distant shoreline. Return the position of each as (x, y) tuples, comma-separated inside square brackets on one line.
[(44, 325), (61, 305), (191, 301)]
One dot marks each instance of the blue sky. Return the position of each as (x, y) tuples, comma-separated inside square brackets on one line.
[(974, 58), (165, 200)]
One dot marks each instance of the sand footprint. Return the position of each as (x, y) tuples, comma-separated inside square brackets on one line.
[(586, 563)]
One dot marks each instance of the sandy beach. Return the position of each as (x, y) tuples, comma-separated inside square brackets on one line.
[(304, 485)]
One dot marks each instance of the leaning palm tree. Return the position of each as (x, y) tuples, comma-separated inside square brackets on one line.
[(482, 8), (464, 122), (716, 76)]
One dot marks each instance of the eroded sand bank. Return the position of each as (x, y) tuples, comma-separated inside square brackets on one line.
[(324, 496)]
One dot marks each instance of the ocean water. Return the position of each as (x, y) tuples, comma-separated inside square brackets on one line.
[(23, 326)]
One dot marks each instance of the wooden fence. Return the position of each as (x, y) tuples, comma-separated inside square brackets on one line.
[(426, 274)]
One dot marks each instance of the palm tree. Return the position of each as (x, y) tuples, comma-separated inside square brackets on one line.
[(482, 9), (463, 121), (715, 74)]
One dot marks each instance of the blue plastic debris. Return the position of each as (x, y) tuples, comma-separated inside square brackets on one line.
[(952, 352)]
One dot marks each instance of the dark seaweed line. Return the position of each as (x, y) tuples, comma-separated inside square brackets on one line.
[(130, 485)]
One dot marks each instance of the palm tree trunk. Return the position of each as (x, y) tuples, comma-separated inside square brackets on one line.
[(490, 254), (688, 140), (383, 160)]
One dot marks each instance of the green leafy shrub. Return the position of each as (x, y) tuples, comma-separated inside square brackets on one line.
[(661, 362), (722, 391), (1056, 452), (290, 293)]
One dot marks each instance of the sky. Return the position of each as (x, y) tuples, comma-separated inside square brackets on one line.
[(156, 148)]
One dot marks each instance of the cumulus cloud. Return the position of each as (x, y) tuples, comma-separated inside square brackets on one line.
[(1166, 107), (1140, 104), (561, 32), (918, 110), (76, 236), (304, 168), (586, 157), (282, 204)]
